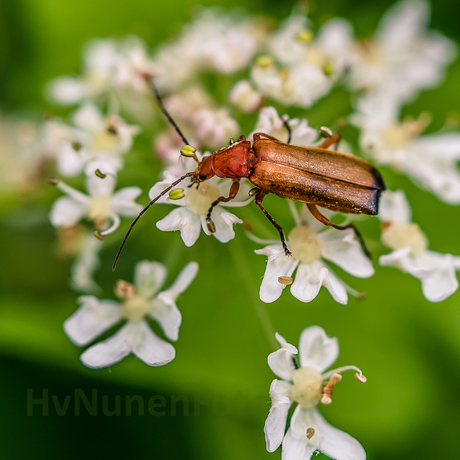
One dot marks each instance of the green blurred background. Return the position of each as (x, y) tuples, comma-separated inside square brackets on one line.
[(216, 390)]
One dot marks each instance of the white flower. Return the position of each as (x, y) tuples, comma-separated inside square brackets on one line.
[(245, 97), (100, 58), (429, 160), (220, 41), (309, 248), (215, 127), (436, 271), (269, 122), (307, 385), (309, 64), (107, 137), (102, 206), (300, 84), (140, 301), (404, 57), (190, 216)]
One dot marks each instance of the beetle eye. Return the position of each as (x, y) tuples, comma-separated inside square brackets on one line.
[(202, 176)]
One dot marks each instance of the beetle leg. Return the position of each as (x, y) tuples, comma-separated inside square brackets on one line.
[(334, 139), (324, 220), (259, 196), (232, 194)]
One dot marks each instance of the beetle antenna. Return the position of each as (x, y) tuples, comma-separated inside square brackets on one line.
[(163, 109), (166, 190), (285, 121)]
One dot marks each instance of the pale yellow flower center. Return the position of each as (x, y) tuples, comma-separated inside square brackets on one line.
[(405, 235), (308, 387), (304, 244), (199, 201), (396, 136), (135, 307), (104, 141), (100, 208)]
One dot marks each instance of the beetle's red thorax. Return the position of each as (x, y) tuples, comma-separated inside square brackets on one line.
[(232, 161)]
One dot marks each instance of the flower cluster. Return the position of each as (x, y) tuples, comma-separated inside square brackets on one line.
[(208, 167)]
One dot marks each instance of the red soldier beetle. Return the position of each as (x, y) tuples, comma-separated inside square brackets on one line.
[(315, 176)]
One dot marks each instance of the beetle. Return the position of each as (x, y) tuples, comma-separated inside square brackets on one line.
[(315, 176)]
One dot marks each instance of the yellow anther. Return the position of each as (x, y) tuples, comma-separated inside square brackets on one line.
[(188, 151), (305, 36), (285, 280), (265, 61), (100, 174), (176, 194), (360, 378), (325, 132)]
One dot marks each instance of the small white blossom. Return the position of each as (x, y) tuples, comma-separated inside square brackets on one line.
[(139, 301), (307, 384), (100, 59), (310, 67), (107, 137), (404, 57), (436, 271), (245, 97), (220, 41), (269, 122), (190, 217), (429, 160), (310, 243), (215, 127), (102, 205)]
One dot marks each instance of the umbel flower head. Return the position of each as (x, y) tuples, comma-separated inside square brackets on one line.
[(436, 271), (139, 301), (307, 383)]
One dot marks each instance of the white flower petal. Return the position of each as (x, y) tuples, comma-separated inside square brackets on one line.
[(296, 445), (100, 186), (278, 264), (69, 162), (66, 212), (167, 315), (394, 207), (281, 362), (284, 344), (123, 201), (443, 282), (89, 118), (335, 286), (336, 443), (148, 347), (183, 280), (182, 219), (275, 424), (108, 352), (316, 349), (107, 164), (66, 90), (308, 281), (92, 318), (224, 221), (86, 262), (340, 247), (149, 277)]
